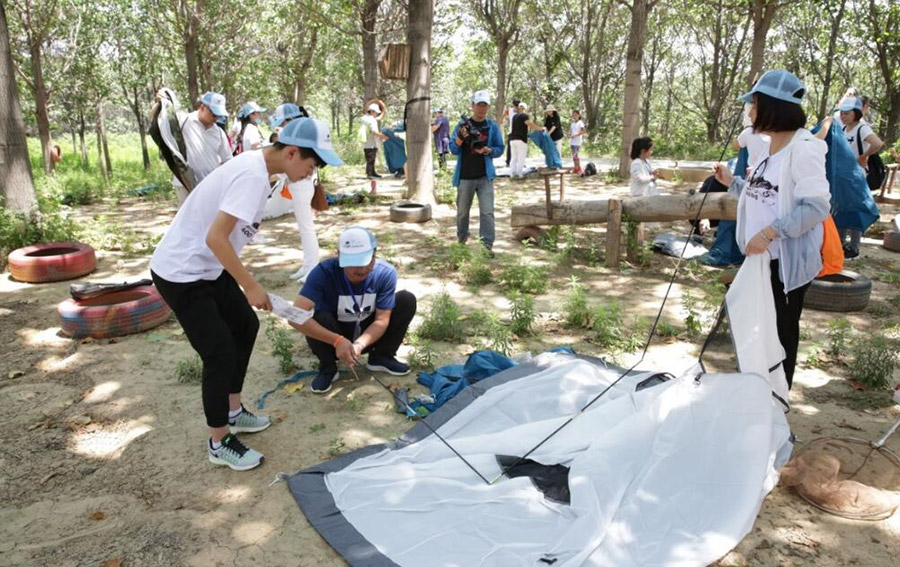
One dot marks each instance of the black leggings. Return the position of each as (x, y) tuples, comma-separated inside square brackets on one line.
[(788, 309), (401, 316), (221, 326)]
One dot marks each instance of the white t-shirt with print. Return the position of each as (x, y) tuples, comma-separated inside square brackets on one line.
[(861, 130), (252, 136), (574, 129), (207, 148), (761, 197), (371, 128), (239, 188), (757, 145)]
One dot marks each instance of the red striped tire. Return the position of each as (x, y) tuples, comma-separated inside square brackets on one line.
[(52, 262), (114, 314)]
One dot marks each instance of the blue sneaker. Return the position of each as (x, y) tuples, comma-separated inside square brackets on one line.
[(385, 363), (322, 382)]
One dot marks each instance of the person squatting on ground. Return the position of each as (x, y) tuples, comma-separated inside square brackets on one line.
[(784, 201), (248, 137), (860, 136), (643, 175), (477, 141), (301, 195), (197, 270), (576, 139), (441, 130), (357, 310), (373, 136), (553, 126), (206, 144), (518, 140)]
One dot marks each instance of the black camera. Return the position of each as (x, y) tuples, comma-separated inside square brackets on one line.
[(476, 137)]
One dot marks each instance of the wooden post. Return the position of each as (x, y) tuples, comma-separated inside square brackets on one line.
[(635, 241), (562, 187), (613, 233), (549, 200)]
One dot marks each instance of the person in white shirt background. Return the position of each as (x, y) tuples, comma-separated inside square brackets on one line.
[(206, 144), (576, 139), (643, 175), (373, 137), (248, 136)]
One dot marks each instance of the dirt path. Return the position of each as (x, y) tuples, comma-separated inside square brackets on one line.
[(101, 448)]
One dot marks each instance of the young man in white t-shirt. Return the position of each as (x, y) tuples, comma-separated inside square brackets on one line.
[(206, 144), (197, 270)]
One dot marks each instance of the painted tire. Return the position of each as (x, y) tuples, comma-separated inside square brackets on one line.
[(892, 240), (114, 314), (407, 211), (844, 291), (52, 262)]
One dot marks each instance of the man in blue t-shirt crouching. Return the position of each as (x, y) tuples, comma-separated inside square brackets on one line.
[(356, 310)]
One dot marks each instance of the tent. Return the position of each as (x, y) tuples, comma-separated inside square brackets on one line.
[(656, 472), (852, 204), (543, 141)]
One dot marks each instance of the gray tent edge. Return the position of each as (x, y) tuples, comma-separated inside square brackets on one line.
[(315, 500)]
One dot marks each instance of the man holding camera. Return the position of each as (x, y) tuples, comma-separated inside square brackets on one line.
[(477, 141)]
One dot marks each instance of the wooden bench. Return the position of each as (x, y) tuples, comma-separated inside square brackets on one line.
[(547, 173)]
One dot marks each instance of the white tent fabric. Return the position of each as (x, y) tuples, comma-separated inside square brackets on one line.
[(671, 475)]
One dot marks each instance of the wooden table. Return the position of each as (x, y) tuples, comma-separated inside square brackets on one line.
[(888, 184)]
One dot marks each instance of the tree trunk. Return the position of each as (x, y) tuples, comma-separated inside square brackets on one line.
[(100, 163), (829, 61), (670, 96), (192, 57), (370, 65), (503, 48), (15, 170), (762, 12), (72, 131), (658, 208), (102, 126), (41, 101), (419, 173), (81, 129), (633, 67)]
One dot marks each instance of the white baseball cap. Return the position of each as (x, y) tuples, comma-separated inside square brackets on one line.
[(215, 102), (313, 134), (356, 247), (523, 106), (481, 96), (374, 108)]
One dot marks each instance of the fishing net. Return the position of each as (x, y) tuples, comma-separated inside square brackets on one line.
[(847, 477)]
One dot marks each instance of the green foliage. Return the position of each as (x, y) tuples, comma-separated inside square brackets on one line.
[(476, 322), (693, 319), (17, 230), (476, 270), (443, 322), (282, 343), (189, 370), (522, 314), (873, 361), (667, 330), (576, 313), (526, 278), (837, 331), (423, 355), (458, 255), (607, 325), (444, 191), (499, 338)]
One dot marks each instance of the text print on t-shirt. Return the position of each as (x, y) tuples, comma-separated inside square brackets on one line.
[(347, 312), (250, 230)]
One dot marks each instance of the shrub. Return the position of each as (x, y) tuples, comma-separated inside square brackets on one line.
[(442, 323), (838, 330), (18, 230), (498, 336), (575, 307), (873, 361), (522, 313), (458, 255), (518, 276), (423, 354), (282, 344), (189, 370), (476, 269), (607, 325)]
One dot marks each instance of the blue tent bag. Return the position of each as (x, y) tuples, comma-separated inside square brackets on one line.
[(394, 150), (542, 140)]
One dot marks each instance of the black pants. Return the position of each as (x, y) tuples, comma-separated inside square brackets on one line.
[(221, 326), (370, 160), (788, 309), (401, 316), (508, 151)]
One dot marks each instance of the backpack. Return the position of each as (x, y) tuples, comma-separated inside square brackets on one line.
[(589, 169), (877, 171)]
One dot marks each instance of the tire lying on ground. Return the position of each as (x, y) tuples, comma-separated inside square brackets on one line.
[(844, 291), (532, 234), (407, 211), (53, 262), (892, 240), (114, 314)]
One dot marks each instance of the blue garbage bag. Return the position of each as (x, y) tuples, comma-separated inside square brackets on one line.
[(394, 150), (542, 140), (852, 205)]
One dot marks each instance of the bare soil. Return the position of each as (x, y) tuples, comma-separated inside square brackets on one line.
[(102, 449)]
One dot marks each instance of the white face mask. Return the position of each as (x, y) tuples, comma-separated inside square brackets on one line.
[(256, 120)]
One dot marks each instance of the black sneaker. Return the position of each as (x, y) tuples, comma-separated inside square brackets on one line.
[(384, 363), (322, 382), (851, 254)]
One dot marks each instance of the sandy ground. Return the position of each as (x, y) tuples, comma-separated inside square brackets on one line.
[(102, 456)]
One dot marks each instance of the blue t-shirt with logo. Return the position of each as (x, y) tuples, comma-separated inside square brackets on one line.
[(331, 291)]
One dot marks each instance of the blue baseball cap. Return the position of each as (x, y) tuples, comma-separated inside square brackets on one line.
[(854, 103), (249, 109), (779, 84), (286, 111), (215, 102), (313, 134), (356, 247)]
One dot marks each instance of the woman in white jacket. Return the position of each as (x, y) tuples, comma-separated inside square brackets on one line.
[(643, 175), (784, 201)]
